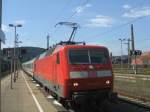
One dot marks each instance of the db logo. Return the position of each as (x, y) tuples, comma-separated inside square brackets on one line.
[(91, 67)]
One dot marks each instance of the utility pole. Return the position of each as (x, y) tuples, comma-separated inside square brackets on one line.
[(121, 40), (48, 41), (15, 56), (2, 39), (128, 45), (0, 49), (132, 38), (0, 22), (18, 53), (2, 35), (133, 49), (11, 73), (15, 45)]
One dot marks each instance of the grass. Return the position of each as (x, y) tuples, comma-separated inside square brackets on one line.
[(138, 87), (126, 70)]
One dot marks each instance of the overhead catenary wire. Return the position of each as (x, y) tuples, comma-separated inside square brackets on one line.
[(118, 27), (108, 31), (60, 14), (75, 12), (62, 10), (122, 25), (113, 39)]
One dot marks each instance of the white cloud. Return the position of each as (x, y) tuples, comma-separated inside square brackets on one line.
[(100, 21), (20, 22), (5, 28), (126, 6), (137, 12), (88, 5), (80, 9)]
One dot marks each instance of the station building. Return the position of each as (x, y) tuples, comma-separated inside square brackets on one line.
[(24, 53), (143, 60)]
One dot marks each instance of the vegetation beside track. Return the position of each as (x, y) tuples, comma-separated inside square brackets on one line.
[(136, 87), (144, 70)]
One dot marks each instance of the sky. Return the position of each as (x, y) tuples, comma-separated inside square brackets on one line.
[(102, 22)]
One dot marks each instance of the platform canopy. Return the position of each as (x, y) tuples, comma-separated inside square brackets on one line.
[(2, 36)]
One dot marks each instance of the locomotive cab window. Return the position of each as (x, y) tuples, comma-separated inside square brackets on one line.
[(98, 57), (88, 56), (78, 57), (57, 59)]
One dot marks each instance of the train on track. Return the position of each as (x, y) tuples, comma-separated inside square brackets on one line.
[(74, 72)]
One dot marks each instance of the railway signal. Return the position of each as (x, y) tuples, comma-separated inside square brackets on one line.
[(135, 52)]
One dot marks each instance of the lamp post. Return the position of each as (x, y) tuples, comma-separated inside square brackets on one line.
[(128, 45), (15, 44), (18, 54), (121, 40)]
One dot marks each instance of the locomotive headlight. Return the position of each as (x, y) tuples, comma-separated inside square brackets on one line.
[(75, 84), (107, 82)]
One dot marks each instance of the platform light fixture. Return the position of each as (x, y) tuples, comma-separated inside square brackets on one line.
[(121, 40), (15, 44)]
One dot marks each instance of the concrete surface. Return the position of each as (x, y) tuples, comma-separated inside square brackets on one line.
[(24, 97)]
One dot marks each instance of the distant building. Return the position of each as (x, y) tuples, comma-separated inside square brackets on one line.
[(24, 53), (117, 59), (144, 59)]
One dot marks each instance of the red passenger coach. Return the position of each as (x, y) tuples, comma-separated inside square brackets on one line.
[(72, 71)]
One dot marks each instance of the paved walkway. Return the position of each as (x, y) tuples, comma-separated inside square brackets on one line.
[(24, 97)]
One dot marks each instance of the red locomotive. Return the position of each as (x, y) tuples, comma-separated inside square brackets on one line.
[(73, 71)]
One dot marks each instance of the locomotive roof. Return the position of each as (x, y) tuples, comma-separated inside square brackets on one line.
[(84, 46), (30, 61), (42, 55), (60, 47)]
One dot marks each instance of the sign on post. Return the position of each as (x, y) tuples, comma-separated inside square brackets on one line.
[(135, 52)]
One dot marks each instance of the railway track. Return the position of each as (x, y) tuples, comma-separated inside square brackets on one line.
[(137, 100), (121, 105), (135, 103)]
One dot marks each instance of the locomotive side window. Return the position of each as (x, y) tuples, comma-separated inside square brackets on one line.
[(58, 59), (79, 57)]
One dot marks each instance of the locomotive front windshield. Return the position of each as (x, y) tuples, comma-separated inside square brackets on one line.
[(92, 56)]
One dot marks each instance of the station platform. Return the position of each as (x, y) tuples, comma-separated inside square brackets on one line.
[(24, 97)]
